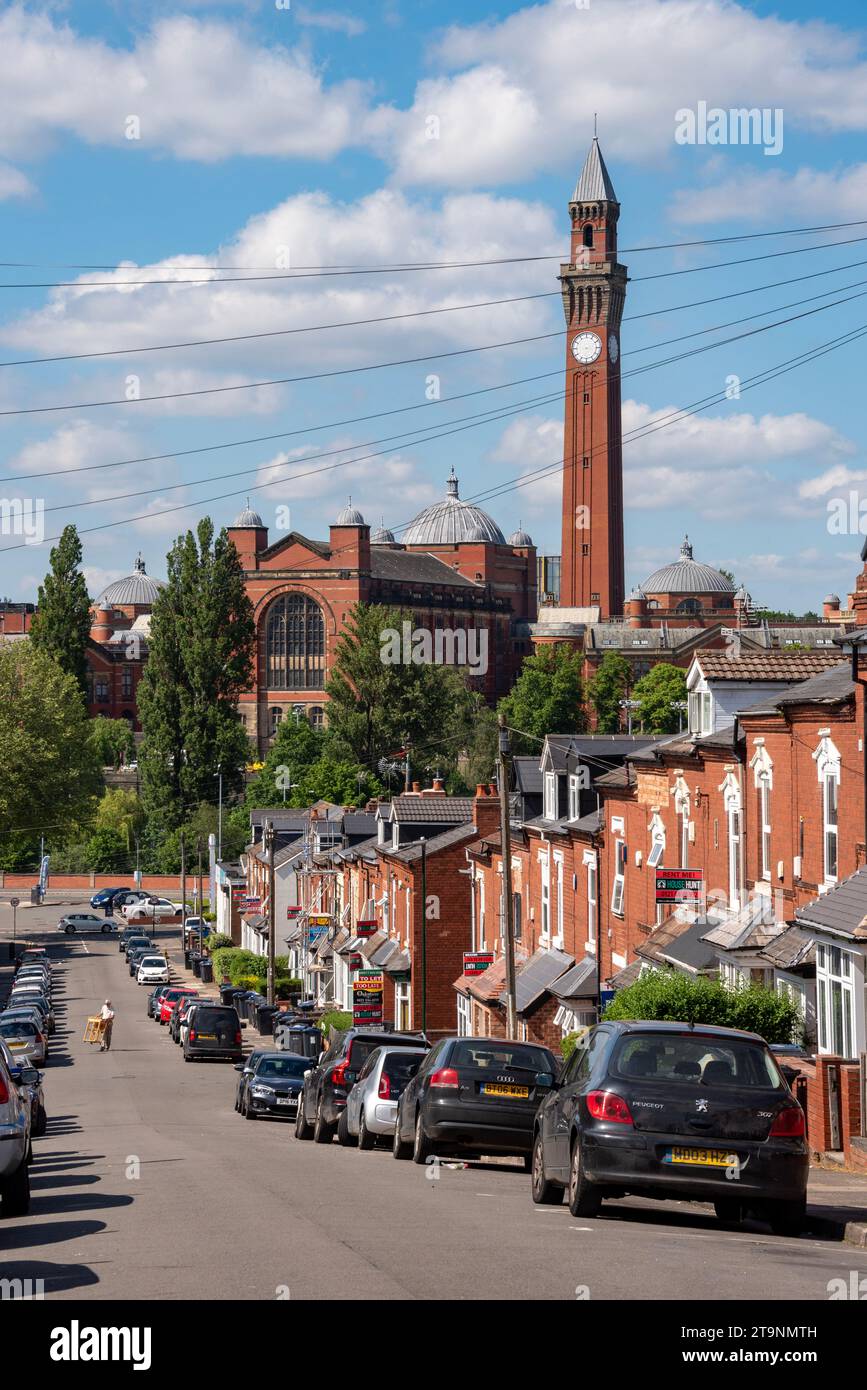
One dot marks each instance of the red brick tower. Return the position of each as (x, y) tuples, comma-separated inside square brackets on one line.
[(594, 288)]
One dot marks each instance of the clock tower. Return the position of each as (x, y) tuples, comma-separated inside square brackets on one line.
[(594, 287)]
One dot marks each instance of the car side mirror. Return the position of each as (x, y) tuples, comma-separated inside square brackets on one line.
[(791, 1074), (240, 1067)]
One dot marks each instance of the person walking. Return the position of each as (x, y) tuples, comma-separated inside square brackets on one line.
[(106, 1013)]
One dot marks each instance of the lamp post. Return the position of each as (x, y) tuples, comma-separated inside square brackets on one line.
[(681, 706), (423, 934), (220, 812), (629, 706)]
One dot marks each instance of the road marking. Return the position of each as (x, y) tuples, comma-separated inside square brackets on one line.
[(581, 1228)]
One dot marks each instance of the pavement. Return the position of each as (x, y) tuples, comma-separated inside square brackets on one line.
[(148, 1185)]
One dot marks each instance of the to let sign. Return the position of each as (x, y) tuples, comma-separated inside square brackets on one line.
[(477, 962), (367, 997), (365, 929), (679, 885)]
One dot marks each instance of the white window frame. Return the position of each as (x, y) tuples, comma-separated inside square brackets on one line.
[(402, 1005), (558, 867), (765, 825), (550, 796), (828, 764), (835, 995), (574, 796), (618, 889), (657, 842), (545, 931), (592, 868), (733, 804), (464, 1017)]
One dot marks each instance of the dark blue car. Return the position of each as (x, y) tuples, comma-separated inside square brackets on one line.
[(105, 896)]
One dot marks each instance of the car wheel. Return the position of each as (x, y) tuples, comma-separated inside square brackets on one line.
[(302, 1128), (248, 1112), (421, 1143), (343, 1135), (398, 1148), (15, 1193), (787, 1218), (366, 1140), (545, 1193), (187, 1057), (729, 1211), (584, 1198), (323, 1133), (41, 1124), (69, 931), (104, 930)]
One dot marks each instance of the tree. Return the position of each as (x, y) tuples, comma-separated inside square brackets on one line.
[(106, 852), (662, 687), (668, 995), (547, 698), (120, 812), (200, 659), (113, 740), (61, 624), (375, 704), (49, 775), (607, 688), (342, 782), (296, 747)]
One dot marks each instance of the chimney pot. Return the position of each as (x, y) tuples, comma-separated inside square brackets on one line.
[(481, 790)]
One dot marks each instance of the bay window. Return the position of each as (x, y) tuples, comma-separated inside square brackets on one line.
[(835, 1000)]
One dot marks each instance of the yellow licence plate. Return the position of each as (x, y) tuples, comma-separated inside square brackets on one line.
[(206, 1037), (705, 1158), (515, 1092)]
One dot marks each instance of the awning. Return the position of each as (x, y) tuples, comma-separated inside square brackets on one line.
[(398, 964), (581, 982), (536, 977)]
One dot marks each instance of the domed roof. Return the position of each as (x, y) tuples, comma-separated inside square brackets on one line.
[(452, 522), (349, 516), (520, 537), (637, 595), (833, 599), (247, 517), (382, 535), (138, 587), (687, 576)]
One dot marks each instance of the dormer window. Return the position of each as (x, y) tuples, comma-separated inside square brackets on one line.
[(574, 797), (550, 796)]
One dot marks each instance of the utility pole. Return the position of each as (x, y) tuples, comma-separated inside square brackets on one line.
[(505, 768), (199, 898), (407, 782), (269, 846), (183, 893), (220, 813)]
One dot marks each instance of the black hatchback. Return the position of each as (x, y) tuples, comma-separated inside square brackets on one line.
[(214, 1031), (473, 1096), (673, 1111)]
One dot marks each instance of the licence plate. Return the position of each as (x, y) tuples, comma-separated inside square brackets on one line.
[(515, 1092), (206, 1037), (15, 1045), (290, 1101), (703, 1158)]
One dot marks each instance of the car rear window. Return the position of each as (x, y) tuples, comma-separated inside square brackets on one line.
[(213, 1018), (17, 1028), (402, 1066), (484, 1056), (695, 1058), (290, 1067)]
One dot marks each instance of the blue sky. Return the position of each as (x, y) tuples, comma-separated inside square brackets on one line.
[(383, 133)]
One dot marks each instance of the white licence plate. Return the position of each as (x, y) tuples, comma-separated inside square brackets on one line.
[(291, 1101)]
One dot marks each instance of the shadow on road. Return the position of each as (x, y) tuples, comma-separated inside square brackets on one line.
[(56, 1278)]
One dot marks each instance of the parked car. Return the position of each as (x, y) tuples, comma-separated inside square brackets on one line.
[(34, 999), (273, 1085), (24, 1038), (34, 979), (179, 1021), (167, 1001), (105, 895), (14, 1146), (151, 910), (29, 1083), (474, 1096), (195, 925), (214, 1031), (330, 1079), (371, 1106), (673, 1111), (152, 970), (153, 1001), (245, 1069), (129, 895), (82, 923), (135, 941), (136, 956)]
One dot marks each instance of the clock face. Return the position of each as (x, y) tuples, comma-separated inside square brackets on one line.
[(613, 348), (586, 347)]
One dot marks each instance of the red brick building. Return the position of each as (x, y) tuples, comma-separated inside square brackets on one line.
[(117, 650)]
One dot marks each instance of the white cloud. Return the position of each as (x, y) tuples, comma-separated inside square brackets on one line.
[(814, 196), (516, 97), (74, 445), (200, 89), (334, 20), (14, 184)]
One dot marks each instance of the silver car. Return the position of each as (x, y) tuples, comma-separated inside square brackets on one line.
[(29, 1083), (371, 1107), (24, 1039), (14, 1148), (21, 999)]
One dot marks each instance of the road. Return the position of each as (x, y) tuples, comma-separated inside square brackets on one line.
[(149, 1186)]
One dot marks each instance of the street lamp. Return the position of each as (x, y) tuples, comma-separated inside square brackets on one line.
[(681, 706), (629, 706)]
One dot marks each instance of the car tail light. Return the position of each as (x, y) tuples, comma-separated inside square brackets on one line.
[(446, 1077), (384, 1087), (238, 1036), (338, 1076), (192, 1035), (4, 1092), (605, 1105), (788, 1124), (40, 1038)]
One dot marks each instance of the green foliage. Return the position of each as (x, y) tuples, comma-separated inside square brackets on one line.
[(106, 852), (200, 659), (667, 995), (61, 624), (657, 691), (162, 849), (120, 810), (335, 1021), (567, 1046), (219, 941), (547, 698), (607, 688), (49, 775), (113, 740), (374, 705), (342, 782), (296, 747)]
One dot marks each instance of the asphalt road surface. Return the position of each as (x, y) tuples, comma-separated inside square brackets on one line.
[(149, 1186)]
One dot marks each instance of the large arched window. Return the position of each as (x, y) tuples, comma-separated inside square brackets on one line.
[(295, 644), (689, 605)]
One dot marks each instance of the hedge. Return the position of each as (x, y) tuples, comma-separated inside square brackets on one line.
[(668, 995)]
